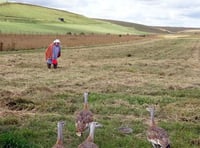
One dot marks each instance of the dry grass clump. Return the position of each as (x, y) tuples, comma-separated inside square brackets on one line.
[(186, 111)]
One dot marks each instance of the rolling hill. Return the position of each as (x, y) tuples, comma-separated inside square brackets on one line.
[(26, 18), (33, 19), (153, 29), (140, 27)]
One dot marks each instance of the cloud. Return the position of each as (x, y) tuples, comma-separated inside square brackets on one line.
[(181, 13)]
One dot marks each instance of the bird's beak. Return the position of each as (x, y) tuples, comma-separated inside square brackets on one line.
[(100, 125), (78, 134)]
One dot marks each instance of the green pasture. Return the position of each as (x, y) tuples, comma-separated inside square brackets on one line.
[(21, 18), (59, 28), (33, 13)]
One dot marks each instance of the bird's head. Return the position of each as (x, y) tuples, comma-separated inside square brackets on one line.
[(150, 108), (95, 124), (61, 124)]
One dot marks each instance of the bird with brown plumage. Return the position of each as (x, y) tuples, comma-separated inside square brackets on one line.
[(84, 117), (89, 142), (59, 142), (155, 134)]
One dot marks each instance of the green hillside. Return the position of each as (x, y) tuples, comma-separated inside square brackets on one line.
[(3, 1), (26, 18)]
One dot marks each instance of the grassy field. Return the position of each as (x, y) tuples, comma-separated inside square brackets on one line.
[(47, 21), (122, 79)]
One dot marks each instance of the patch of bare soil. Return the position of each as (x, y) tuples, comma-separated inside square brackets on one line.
[(20, 104)]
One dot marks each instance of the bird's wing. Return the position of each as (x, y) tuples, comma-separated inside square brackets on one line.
[(158, 136)]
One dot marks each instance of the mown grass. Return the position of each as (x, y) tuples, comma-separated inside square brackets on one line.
[(122, 79)]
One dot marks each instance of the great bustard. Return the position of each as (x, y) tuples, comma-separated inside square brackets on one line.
[(59, 142), (89, 142), (84, 117), (156, 135)]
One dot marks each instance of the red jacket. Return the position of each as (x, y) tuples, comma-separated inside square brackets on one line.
[(49, 51)]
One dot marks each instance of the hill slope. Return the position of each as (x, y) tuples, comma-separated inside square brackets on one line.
[(153, 29), (26, 18), (139, 27)]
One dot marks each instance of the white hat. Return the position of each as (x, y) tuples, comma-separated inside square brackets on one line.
[(56, 41)]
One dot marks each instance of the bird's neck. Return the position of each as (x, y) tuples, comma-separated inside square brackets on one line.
[(152, 122), (85, 106), (90, 138), (59, 142), (60, 135), (85, 99)]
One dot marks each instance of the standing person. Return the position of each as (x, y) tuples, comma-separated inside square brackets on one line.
[(52, 53)]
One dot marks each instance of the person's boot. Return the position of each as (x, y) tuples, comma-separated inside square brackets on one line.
[(48, 65), (55, 66)]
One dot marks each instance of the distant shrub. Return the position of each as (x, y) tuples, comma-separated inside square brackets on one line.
[(69, 33), (142, 35), (82, 33), (129, 55)]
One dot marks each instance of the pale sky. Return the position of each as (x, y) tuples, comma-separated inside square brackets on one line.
[(178, 13)]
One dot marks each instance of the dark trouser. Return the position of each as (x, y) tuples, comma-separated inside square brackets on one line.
[(54, 65), (48, 65)]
